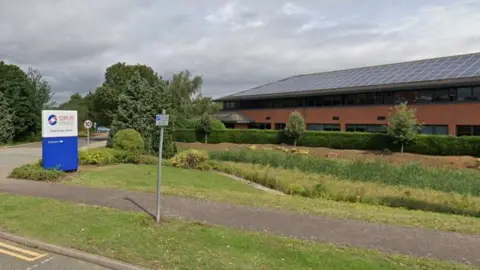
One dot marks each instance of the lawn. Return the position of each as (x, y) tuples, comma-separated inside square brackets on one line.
[(176, 244), (211, 186)]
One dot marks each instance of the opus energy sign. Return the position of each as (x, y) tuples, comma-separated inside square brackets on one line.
[(60, 140)]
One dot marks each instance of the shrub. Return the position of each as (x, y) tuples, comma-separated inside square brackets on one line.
[(412, 175), (36, 172), (98, 156), (190, 159), (146, 159), (128, 140), (421, 144)]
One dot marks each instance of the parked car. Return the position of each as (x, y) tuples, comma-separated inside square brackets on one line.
[(103, 129)]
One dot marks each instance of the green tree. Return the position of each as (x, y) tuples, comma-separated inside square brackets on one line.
[(105, 99), (6, 121), (81, 105), (41, 88), (206, 125), (403, 125), (19, 93), (137, 107), (295, 126)]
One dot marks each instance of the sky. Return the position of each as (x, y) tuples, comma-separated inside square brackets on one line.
[(233, 44)]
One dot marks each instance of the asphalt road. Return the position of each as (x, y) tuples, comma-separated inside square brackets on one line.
[(18, 257)]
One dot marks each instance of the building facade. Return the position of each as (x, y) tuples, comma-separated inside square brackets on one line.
[(444, 91)]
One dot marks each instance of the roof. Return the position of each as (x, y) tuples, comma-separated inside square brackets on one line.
[(435, 71), (232, 117)]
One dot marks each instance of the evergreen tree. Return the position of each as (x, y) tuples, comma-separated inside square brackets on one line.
[(403, 125), (6, 121)]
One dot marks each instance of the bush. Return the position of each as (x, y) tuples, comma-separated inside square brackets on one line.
[(412, 175), (98, 156), (36, 172), (146, 159), (190, 159), (128, 140), (422, 144)]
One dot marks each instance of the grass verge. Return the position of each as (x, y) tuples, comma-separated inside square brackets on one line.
[(465, 182), (132, 237), (324, 186), (210, 186)]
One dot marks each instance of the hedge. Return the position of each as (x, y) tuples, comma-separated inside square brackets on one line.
[(423, 144)]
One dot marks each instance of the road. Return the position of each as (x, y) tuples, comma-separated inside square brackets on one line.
[(16, 257), (15, 156)]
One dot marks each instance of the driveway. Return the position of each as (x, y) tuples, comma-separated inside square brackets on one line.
[(13, 157)]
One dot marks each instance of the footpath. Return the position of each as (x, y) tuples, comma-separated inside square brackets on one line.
[(391, 239)]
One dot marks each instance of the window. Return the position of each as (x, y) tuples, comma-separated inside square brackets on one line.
[(468, 130), (381, 118), (323, 127), (402, 97), (425, 97), (280, 126), (388, 98), (373, 128), (289, 103), (335, 118), (229, 105), (435, 129), (468, 93), (332, 101), (229, 125), (259, 126), (441, 96), (377, 98)]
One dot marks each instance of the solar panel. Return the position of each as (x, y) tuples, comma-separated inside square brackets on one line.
[(452, 67)]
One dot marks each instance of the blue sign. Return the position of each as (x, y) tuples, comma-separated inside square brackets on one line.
[(60, 140)]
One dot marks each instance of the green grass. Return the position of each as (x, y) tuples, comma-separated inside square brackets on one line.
[(329, 187), (462, 181), (176, 244), (211, 186)]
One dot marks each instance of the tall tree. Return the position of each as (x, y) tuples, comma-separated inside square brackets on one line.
[(6, 121), (403, 125), (80, 104), (41, 88), (105, 99), (19, 93), (295, 126)]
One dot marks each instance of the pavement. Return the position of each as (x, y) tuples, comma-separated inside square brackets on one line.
[(387, 238), (15, 256)]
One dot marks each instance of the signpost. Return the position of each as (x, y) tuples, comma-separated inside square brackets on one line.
[(60, 140), (161, 120), (88, 125)]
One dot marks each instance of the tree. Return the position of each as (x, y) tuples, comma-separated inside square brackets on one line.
[(105, 99), (138, 105), (80, 104), (19, 93), (403, 125), (295, 126), (41, 88), (206, 125), (6, 121)]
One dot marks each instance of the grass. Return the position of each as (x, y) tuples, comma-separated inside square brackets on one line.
[(329, 187), (132, 237), (465, 182), (210, 186)]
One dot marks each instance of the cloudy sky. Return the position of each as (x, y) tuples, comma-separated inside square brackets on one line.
[(234, 45)]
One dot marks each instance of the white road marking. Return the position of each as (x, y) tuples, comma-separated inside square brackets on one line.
[(43, 262)]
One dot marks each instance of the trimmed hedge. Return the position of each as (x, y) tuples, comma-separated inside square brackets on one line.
[(423, 144)]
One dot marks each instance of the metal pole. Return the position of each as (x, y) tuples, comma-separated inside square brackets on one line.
[(159, 173), (88, 136)]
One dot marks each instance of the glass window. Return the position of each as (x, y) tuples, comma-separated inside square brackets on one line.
[(441, 96), (388, 98), (464, 93), (332, 101), (323, 127), (476, 93), (424, 97), (364, 99), (366, 128), (349, 99), (260, 126), (401, 97), (377, 98), (314, 101), (229, 105), (468, 130), (435, 129), (280, 126)]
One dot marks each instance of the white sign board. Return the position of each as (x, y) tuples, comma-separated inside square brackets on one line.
[(58, 123), (161, 120), (88, 124)]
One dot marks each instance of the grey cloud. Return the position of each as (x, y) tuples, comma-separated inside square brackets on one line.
[(251, 43)]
